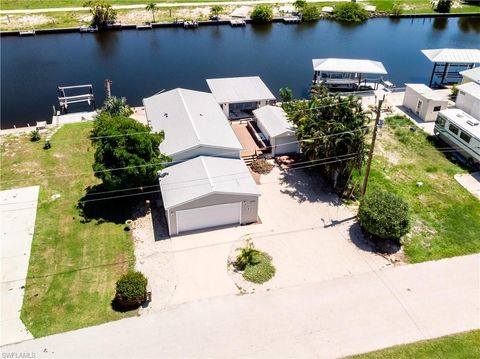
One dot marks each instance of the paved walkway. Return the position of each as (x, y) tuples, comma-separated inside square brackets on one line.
[(471, 182), (324, 320), (159, 5), (18, 208)]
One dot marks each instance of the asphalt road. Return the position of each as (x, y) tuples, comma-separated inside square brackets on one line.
[(324, 320)]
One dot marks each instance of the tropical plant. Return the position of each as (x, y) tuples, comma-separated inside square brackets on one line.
[(350, 12), (384, 215), (299, 4), (262, 14), (152, 7), (443, 6), (127, 153), (215, 11), (396, 9), (310, 13), (102, 12), (116, 106), (333, 127), (131, 290), (47, 145), (285, 94), (35, 136), (247, 256)]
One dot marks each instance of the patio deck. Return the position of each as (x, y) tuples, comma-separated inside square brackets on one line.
[(249, 145)]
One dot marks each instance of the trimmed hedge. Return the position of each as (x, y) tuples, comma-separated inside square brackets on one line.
[(384, 215), (131, 290)]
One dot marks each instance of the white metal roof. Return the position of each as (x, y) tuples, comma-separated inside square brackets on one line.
[(274, 120), (453, 56), (428, 93), (470, 88), (189, 119), (239, 89), (462, 120), (472, 74), (349, 65), (201, 176)]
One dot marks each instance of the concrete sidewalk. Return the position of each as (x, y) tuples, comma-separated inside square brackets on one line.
[(18, 209), (324, 320)]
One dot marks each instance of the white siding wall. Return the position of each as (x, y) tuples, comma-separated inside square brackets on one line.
[(469, 104)]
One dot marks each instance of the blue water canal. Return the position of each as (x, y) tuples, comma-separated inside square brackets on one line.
[(143, 63)]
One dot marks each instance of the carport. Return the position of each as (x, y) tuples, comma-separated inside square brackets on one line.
[(207, 192)]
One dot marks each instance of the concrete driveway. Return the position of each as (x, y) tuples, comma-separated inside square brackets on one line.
[(330, 319), (18, 209), (311, 236)]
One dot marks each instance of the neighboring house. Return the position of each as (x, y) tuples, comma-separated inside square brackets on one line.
[(239, 96), (468, 99), (425, 102), (472, 75), (207, 192), (193, 123), (274, 124)]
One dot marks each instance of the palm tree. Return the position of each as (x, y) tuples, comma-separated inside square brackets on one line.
[(152, 7)]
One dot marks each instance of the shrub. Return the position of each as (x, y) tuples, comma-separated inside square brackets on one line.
[(248, 256), (35, 136), (286, 94), (310, 13), (215, 11), (262, 14), (384, 215), (397, 9), (261, 166), (131, 290), (300, 4), (443, 6), (350, 12), (47, 145), (260, 272)]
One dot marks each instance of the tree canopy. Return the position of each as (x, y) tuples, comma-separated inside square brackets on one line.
[(262, 13), (127, 154), (116, 106), (350, 12), (102, 12), (331, 126)]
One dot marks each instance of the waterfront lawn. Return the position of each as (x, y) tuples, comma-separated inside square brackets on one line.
[(458, 346), (445, 216), (419, 6), (73, 265)]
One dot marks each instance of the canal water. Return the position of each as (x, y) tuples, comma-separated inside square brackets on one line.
[(141, 63)]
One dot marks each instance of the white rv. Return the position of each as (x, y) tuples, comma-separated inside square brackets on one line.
[(461, 131)]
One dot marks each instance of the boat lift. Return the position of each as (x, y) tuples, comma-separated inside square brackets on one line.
[(64, 100)]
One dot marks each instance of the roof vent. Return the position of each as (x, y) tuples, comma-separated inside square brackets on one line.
[(459, 115), (472, 123), (165, 114)]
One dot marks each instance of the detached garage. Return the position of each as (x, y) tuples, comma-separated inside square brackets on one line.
[(274, 124), (207, 192)]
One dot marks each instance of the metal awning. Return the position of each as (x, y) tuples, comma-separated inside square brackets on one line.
[(349, 66), (453, 56)]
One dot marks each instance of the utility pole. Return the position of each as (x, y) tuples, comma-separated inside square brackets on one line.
[(108, 90), (372, 146)]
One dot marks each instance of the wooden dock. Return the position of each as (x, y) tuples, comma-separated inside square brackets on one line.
[(235, 23), (292, 19), (144, 27), (27, 33), (190, 24)]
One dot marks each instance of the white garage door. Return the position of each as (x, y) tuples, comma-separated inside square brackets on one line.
[(285, 145), (205, 217)]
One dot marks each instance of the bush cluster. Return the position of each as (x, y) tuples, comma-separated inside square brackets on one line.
[(261, 166), (350, 12), (257, 266), (262, 14), (35, 136), (443, 6), (131, 290), (310, 13), (384, 215)]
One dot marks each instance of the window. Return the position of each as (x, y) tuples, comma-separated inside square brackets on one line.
[(465, 137), (437, 108), (453, 129), (440, 121)]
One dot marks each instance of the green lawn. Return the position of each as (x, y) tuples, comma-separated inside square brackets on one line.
[(73, 265), (459, 346), (419, 6), (445, 216)]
